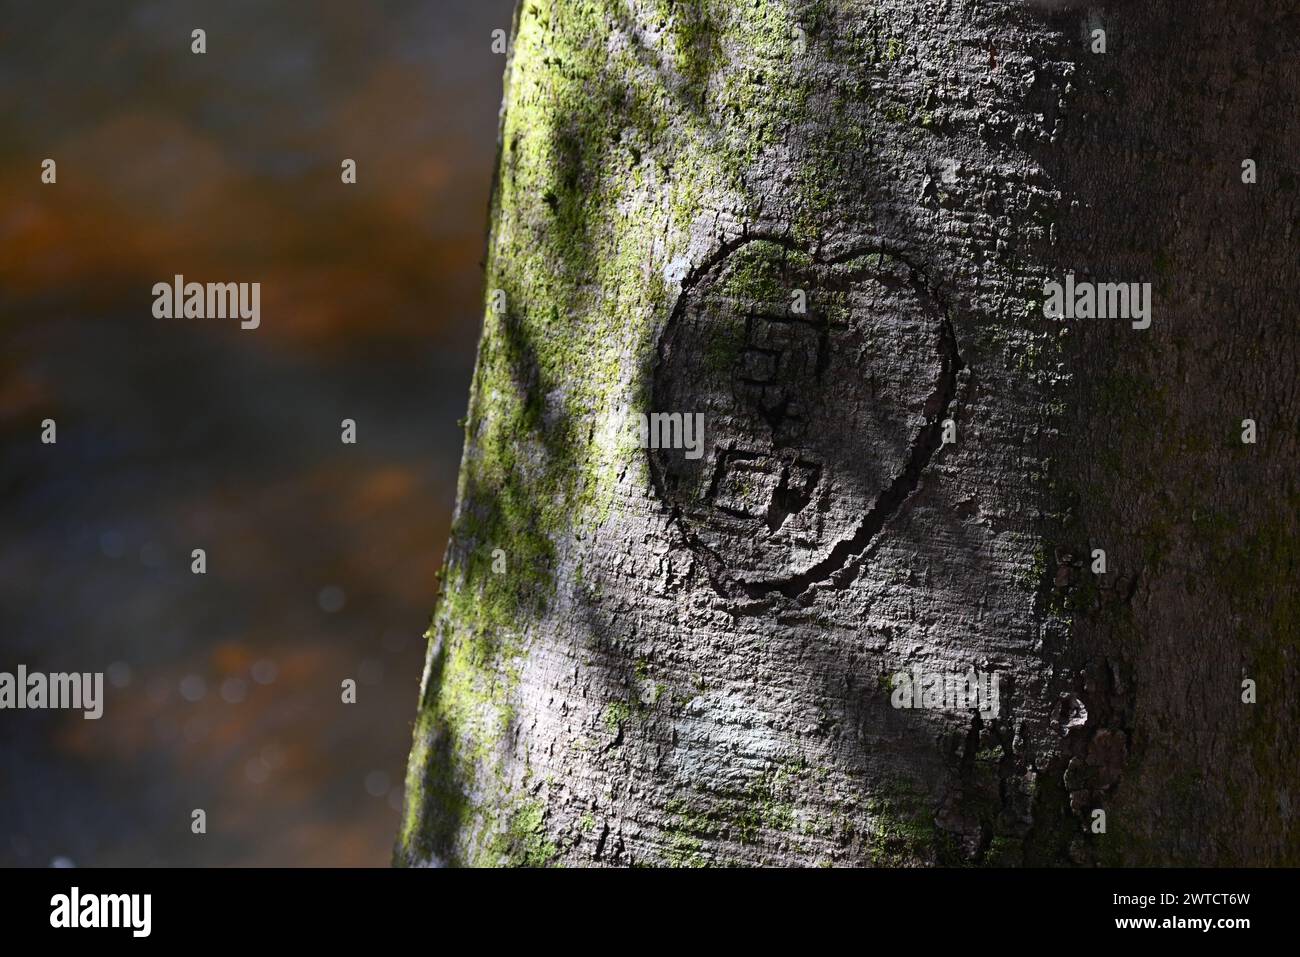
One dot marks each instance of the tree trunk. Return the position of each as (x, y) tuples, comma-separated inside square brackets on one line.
[(825, 228)]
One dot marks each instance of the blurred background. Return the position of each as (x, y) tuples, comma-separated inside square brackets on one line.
[(222, 691)]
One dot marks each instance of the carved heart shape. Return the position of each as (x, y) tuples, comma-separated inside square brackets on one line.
[(817, 422)]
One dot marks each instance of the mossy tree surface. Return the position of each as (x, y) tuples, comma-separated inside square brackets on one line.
[(639, 686)]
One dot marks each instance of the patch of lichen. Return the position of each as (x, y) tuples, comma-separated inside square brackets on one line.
[(523, 842), (615, 713), (757, 814), (761, 279), (758, 275), (902, 833), (432, 812), (899, 827), (837, 161)]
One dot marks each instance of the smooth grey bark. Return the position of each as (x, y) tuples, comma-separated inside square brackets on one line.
[(641, 657)]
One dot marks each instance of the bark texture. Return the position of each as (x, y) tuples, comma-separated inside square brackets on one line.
[(643, 657)]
